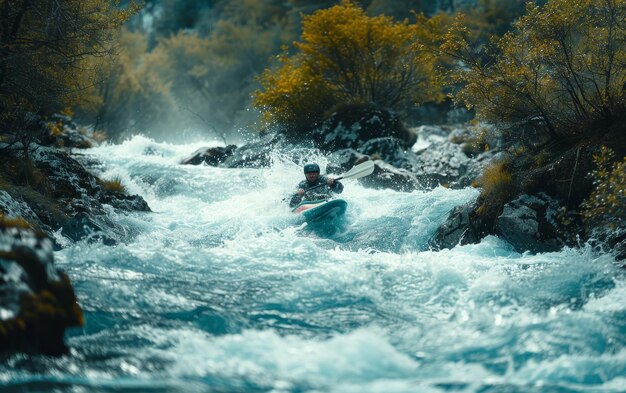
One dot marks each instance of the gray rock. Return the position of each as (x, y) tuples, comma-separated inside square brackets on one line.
[(388, 176), (14, 208), (70, 199), (463, 226), (37, 302), (475, 167), (254, 155), (353, 125), (391, 150), (443, 162), (529, 223), (209, 155), (70, 135)]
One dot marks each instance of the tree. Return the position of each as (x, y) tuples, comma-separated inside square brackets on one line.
[(345, 56), (44, 46), (563, 65), (197, 78), (112, 105)]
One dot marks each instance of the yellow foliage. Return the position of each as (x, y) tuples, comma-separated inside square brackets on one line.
[(564, 64), (46, 46), (17, 222), (293, 94), (496, 183), (56, 129), (345, 56), (606, 206), (114, 185)]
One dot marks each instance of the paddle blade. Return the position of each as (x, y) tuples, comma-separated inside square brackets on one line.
[(363, 169)]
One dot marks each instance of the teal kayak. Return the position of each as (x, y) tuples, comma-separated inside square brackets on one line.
[(321, 210)]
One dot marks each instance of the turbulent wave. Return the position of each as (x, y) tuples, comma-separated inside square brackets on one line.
[(222, 289)]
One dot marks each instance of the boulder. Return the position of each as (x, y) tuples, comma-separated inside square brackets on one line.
[(65, 196), (38, 302), (213, 156), (529, 223), (463, 226), (352, 125), (441, 163), (391, 150), (256, 154), (388, 176)]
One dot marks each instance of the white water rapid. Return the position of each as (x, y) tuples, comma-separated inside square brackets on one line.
[(222, 289)]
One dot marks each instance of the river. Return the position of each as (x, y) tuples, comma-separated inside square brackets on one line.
[(222, 289)]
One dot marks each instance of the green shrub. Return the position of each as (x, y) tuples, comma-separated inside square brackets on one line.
[(496, 183), (606, 206), (563, 66)]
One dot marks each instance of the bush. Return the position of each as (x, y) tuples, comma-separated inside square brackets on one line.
[(43, 50), (606, 206), (344, 57), (563, 65), (496, 183), (114, 185), (14, 222)]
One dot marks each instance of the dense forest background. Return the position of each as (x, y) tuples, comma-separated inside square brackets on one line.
[(192, 66)]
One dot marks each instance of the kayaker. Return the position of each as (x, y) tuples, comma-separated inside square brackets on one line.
[(325, 186)]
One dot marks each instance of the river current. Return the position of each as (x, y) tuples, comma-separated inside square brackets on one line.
[(222, 289)]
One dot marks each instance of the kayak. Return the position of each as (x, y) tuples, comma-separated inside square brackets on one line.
[(321, 210)]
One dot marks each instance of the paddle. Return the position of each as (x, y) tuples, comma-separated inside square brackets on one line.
[(363, 169)]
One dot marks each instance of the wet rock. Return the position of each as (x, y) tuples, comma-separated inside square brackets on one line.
[(388, 176), (353, 125), (64, 133), (213, 156), (475, 167), (37, 303), (452, 156), (529, 223), (15, 208), (391, 150), (124, 202), (441, 163), (256, 154), (463, 226), (66, 197)]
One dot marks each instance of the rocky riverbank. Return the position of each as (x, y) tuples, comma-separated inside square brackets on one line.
[(47, 199)]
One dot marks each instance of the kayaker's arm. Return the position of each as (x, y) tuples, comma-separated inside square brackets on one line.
[(295, 200), (335, 186)]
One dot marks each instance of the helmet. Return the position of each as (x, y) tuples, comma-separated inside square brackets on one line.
[(312, 167)]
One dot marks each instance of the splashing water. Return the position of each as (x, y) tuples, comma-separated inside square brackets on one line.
[(223, 289)]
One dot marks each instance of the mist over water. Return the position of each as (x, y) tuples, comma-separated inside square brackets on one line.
[(223, 289)]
